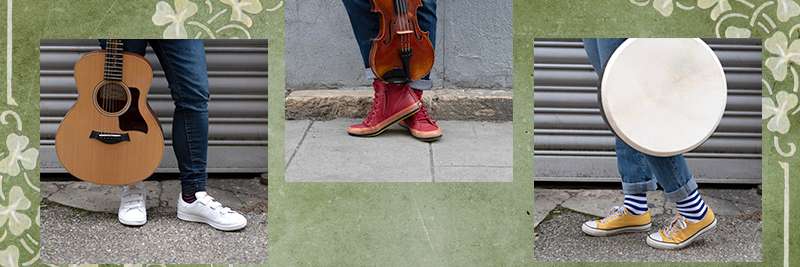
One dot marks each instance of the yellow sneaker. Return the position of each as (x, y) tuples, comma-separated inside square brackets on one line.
[(679, 232), (618, 221)]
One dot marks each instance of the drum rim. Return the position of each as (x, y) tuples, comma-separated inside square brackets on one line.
[(629, 142)]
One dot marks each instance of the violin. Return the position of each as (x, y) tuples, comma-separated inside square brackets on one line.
[(402, 52)]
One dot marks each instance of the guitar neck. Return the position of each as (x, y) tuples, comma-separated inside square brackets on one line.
[(113, 66)]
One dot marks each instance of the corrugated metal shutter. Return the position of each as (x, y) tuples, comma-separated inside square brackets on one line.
[(237, 73), (572, 143)]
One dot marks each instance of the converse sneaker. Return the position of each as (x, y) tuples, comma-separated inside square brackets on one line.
[(420, 124), (619, 220), (206, 210), (680, 232), (392, 103), (132, 210)]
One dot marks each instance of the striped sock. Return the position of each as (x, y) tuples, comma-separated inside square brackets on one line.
[(188, 198), (692, 207), (636, 204)]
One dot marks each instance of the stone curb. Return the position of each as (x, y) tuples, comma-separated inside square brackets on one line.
[(484, 105)]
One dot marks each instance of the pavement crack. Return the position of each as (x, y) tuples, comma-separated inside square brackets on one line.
[(430, 150), (160, 193), (297, 148)]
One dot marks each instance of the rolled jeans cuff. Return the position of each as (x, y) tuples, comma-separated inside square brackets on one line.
[(683, 191), (422, 85), (640, 187), (188, 187)]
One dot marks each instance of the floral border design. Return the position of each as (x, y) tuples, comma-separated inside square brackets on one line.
[(238, 24), (779, 103), (19, 178)]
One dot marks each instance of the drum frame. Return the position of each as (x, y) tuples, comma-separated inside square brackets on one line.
[(630, 142)]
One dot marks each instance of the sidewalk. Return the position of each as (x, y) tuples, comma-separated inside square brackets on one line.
[(79, 225), (559, 213), (469, 151)]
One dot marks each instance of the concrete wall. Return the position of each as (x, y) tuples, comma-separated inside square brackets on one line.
[(473, 46)]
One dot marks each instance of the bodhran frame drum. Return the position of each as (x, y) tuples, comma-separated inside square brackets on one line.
[(662, 97)]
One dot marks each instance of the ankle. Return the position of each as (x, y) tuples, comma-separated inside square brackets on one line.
[(188, 198)]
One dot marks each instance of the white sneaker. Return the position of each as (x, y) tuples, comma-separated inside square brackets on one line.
[(206, 210), (132, 210)]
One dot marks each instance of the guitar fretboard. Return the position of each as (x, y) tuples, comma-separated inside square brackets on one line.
[(113, 68)]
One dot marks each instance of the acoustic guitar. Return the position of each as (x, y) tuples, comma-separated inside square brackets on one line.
[(111, 136)]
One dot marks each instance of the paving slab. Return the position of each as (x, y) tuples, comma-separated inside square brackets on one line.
[(170, 191), (234, 193), (474, 143), (545, 200), (99, 198), (47, 189), (329, 154), (470, 151), (594, 202)]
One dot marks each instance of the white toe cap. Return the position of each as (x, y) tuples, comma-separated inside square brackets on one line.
[(133, 217), (656, 236), (592, 224)]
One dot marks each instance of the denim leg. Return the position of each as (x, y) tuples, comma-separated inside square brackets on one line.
[(671, 172), (365, 27), (590, 46), (673, 175), (136, 46), (637, 178), (184, 64)]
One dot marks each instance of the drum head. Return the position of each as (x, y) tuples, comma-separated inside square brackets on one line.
[(663, 97)]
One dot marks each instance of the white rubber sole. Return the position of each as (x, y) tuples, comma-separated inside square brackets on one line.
[(222, 227), (602, 232), (664, 245), (132, 223)]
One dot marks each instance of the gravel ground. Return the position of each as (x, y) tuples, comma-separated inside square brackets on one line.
[(734, 239), (74, 236)]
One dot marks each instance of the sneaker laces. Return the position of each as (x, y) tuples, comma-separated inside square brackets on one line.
[(374, 105), (422, 114), (673, 226), (616, 212)]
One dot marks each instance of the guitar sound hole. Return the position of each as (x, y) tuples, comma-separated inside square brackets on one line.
[(111, 98)]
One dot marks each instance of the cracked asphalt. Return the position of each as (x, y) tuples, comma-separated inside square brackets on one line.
[(79, 225), (559, 213)]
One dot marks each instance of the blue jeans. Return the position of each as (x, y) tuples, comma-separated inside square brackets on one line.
[(636, 168), (184, 65), (366, 26)]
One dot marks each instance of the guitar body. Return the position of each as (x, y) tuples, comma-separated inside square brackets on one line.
[(111, 136)]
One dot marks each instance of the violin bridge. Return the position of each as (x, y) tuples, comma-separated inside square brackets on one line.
[(405, 32)]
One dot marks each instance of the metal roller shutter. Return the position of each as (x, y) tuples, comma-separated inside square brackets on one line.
[(572, 143), (237, 73)]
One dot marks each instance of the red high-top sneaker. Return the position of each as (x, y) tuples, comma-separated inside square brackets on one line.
[(392, 103), (421, 125)]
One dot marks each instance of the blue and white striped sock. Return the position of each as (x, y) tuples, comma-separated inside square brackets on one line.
[(636, 204), (692, 207)]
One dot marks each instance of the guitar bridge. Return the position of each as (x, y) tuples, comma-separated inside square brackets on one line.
[(110, 137)]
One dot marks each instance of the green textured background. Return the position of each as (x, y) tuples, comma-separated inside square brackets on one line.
[(405, 224)]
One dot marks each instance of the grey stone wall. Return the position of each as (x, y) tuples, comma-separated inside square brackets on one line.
[(473, 46)]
